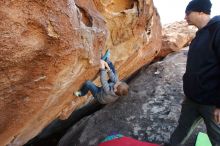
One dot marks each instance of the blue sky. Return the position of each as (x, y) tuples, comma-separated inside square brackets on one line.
[(174, 10)]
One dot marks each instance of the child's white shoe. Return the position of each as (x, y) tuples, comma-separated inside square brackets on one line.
[(78, 93)]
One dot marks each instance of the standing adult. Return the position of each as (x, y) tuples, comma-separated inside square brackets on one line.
[(201, 81)]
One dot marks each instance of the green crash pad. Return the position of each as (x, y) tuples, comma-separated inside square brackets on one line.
[(203, 140)]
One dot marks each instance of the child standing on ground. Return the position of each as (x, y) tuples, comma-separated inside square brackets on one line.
[(111, 89)]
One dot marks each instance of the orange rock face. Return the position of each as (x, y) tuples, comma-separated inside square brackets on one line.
[(49, 48), (176, 36)]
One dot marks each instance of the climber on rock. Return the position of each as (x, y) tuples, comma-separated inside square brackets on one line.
[(111, 89)]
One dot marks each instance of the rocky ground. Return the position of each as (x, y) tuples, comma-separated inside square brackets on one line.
[(149, 113)]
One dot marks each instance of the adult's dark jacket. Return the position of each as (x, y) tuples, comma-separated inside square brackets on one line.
[(201, 81)]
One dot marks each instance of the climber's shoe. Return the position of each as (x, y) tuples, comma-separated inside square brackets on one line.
[(78, 93)]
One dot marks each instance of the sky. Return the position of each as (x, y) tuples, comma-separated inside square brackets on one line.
[(174, 10)]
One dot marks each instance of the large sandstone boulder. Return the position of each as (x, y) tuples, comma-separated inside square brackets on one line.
[(176, 36), (49, 48), (149, 113)]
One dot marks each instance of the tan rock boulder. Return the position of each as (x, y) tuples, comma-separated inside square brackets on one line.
[(176, 36), (49, 48)]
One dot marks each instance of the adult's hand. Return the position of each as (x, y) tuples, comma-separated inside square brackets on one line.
[(217, 115)]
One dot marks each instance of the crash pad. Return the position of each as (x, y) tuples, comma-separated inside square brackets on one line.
[(203, 140), (126, 141)]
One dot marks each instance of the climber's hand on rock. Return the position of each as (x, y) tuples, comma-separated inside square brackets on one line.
[(106, 66), (102, 64)]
